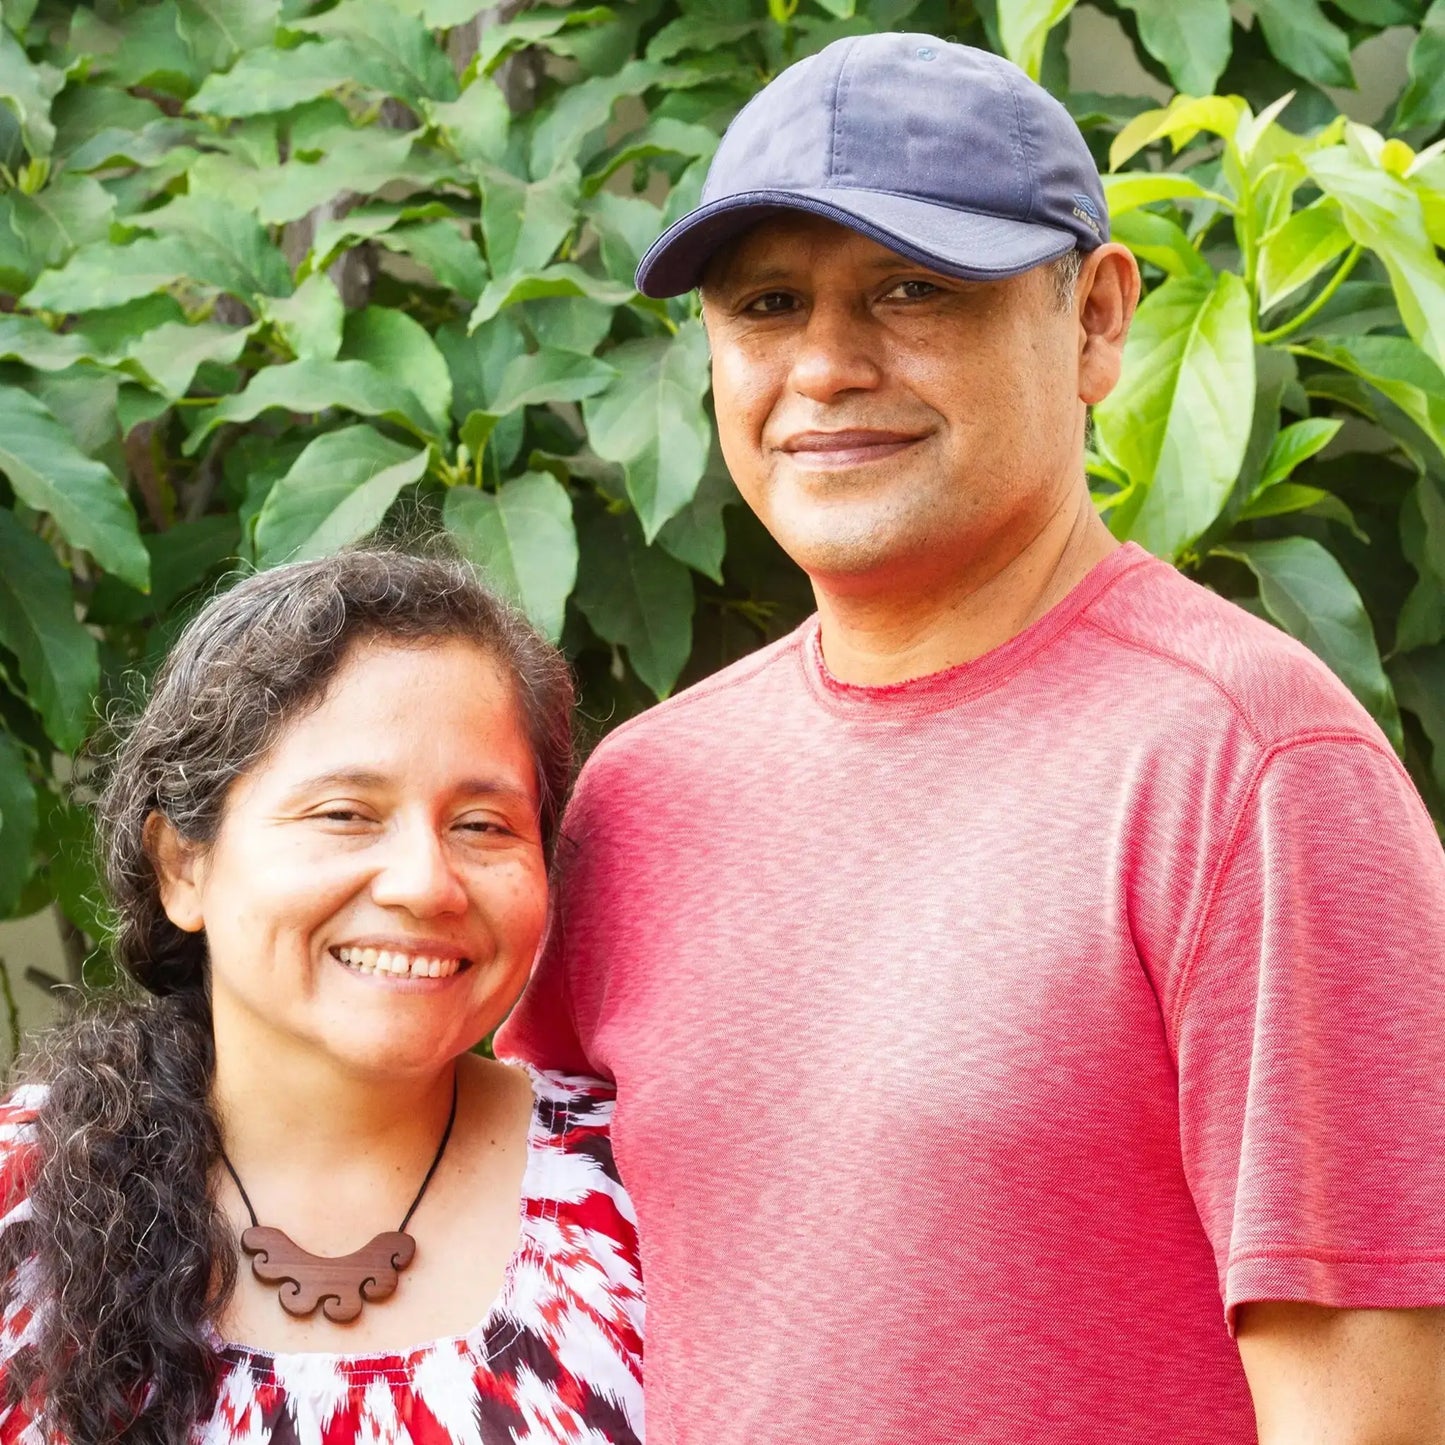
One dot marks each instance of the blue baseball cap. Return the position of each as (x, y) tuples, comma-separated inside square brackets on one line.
[(948, 155)]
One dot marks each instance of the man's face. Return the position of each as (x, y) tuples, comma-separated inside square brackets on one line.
[(884, 420)]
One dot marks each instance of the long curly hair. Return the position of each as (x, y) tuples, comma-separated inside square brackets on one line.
[(120, 1243)]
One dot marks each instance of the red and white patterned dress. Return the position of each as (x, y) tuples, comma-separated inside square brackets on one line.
[(557, 1359)]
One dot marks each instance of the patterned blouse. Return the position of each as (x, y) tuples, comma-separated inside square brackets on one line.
[(557, 1359)]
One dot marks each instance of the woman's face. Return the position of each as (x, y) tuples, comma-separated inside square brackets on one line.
[(377, 889)]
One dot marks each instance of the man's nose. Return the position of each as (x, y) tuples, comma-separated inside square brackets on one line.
[(418, 873), (837, 352)]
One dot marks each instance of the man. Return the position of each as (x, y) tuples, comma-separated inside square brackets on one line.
[(1027, 975)]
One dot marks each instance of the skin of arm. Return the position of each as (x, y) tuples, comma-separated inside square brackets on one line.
[(1323, 1376)]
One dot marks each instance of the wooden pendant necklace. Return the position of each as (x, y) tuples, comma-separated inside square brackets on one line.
[(339, 1285)]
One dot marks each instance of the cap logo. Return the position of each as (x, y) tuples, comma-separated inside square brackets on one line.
[(1087, 212), (926, 52)]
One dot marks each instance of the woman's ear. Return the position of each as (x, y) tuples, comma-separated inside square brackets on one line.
[(177, 872)]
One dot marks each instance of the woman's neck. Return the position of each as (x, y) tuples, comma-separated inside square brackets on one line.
[(285, 1109)]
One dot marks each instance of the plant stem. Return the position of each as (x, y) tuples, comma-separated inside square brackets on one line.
[(1268, 338), (12, 1011)]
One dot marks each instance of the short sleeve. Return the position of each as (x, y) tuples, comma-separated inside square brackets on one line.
[(1311, 1038)]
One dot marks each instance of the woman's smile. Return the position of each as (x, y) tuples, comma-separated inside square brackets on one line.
[(395, 963)]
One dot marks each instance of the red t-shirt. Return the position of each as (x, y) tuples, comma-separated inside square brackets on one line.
[(983, 1041)]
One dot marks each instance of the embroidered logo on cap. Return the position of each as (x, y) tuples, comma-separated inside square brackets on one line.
[(1087, 212)]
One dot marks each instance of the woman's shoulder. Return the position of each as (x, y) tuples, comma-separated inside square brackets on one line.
[(19, 1145)]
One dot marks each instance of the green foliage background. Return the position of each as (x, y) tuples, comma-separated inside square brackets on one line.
[(274, 273)]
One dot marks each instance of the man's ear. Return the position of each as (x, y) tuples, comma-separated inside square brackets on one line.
[(1108, 293), (177, 872)]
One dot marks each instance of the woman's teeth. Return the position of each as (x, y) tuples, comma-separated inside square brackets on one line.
[(397, 965)]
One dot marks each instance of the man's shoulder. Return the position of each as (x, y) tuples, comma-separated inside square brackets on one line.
[(733, 692), (1204, 652)]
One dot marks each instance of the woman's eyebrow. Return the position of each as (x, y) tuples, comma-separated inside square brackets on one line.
[(479, 786)]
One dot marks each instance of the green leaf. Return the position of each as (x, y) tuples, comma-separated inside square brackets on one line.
[(1157, 240), (203, 239), (635, 597), (217, 31), (314, 386), (28, 89), (363, 224), (1419, 679), (23, 338), (1280, 499), (546, 376), (1305, 590), (171, 353), (363, 160), (108, 275), (525, 223), (17, 824), (1130, 189), (478, 362), (336, 492), (263, 82), (310, 319), (49, 473), (239, 255), (1395, 367), (581, 110), (1305, 41), (696, 535), (663, 136), (564, 279), (1294, 253), (523, 539), (1382, 212), (450, 256), (651, 420), (59, 660), (1024, 26), (391, 46), (1296, 444), (530, 28), (1191, 40), (399, 347), (697, 32), (51, 225), (182, 557), (476, 125), (1178, 422), (1423, 103)]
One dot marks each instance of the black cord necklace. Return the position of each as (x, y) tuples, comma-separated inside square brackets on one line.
[(341, 1285)]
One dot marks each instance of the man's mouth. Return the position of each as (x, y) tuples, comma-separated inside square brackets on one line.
[(850, 448), (392, 963)]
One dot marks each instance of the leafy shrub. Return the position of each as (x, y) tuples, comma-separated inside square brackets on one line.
[(277, 273)]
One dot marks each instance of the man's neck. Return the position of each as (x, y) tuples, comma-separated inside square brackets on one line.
[(875, 637)]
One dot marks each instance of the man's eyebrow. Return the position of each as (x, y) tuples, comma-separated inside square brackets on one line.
[(734, 275)]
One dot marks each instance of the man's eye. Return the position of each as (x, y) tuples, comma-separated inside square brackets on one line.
[(914, 290), (770, 303), (338, 815)]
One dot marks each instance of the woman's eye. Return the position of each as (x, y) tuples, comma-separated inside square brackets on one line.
[(482, 826)]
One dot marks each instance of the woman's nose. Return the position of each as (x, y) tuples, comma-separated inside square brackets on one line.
[(419, 874)]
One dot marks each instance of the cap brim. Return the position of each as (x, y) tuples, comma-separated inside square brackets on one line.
[(954, 242)]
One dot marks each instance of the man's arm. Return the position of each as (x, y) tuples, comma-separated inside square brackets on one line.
[(1344, 1377)]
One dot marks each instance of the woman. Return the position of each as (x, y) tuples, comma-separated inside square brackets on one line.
[(234, 1206)]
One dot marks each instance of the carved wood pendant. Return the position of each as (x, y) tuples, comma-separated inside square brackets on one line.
[(341, 1285)]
